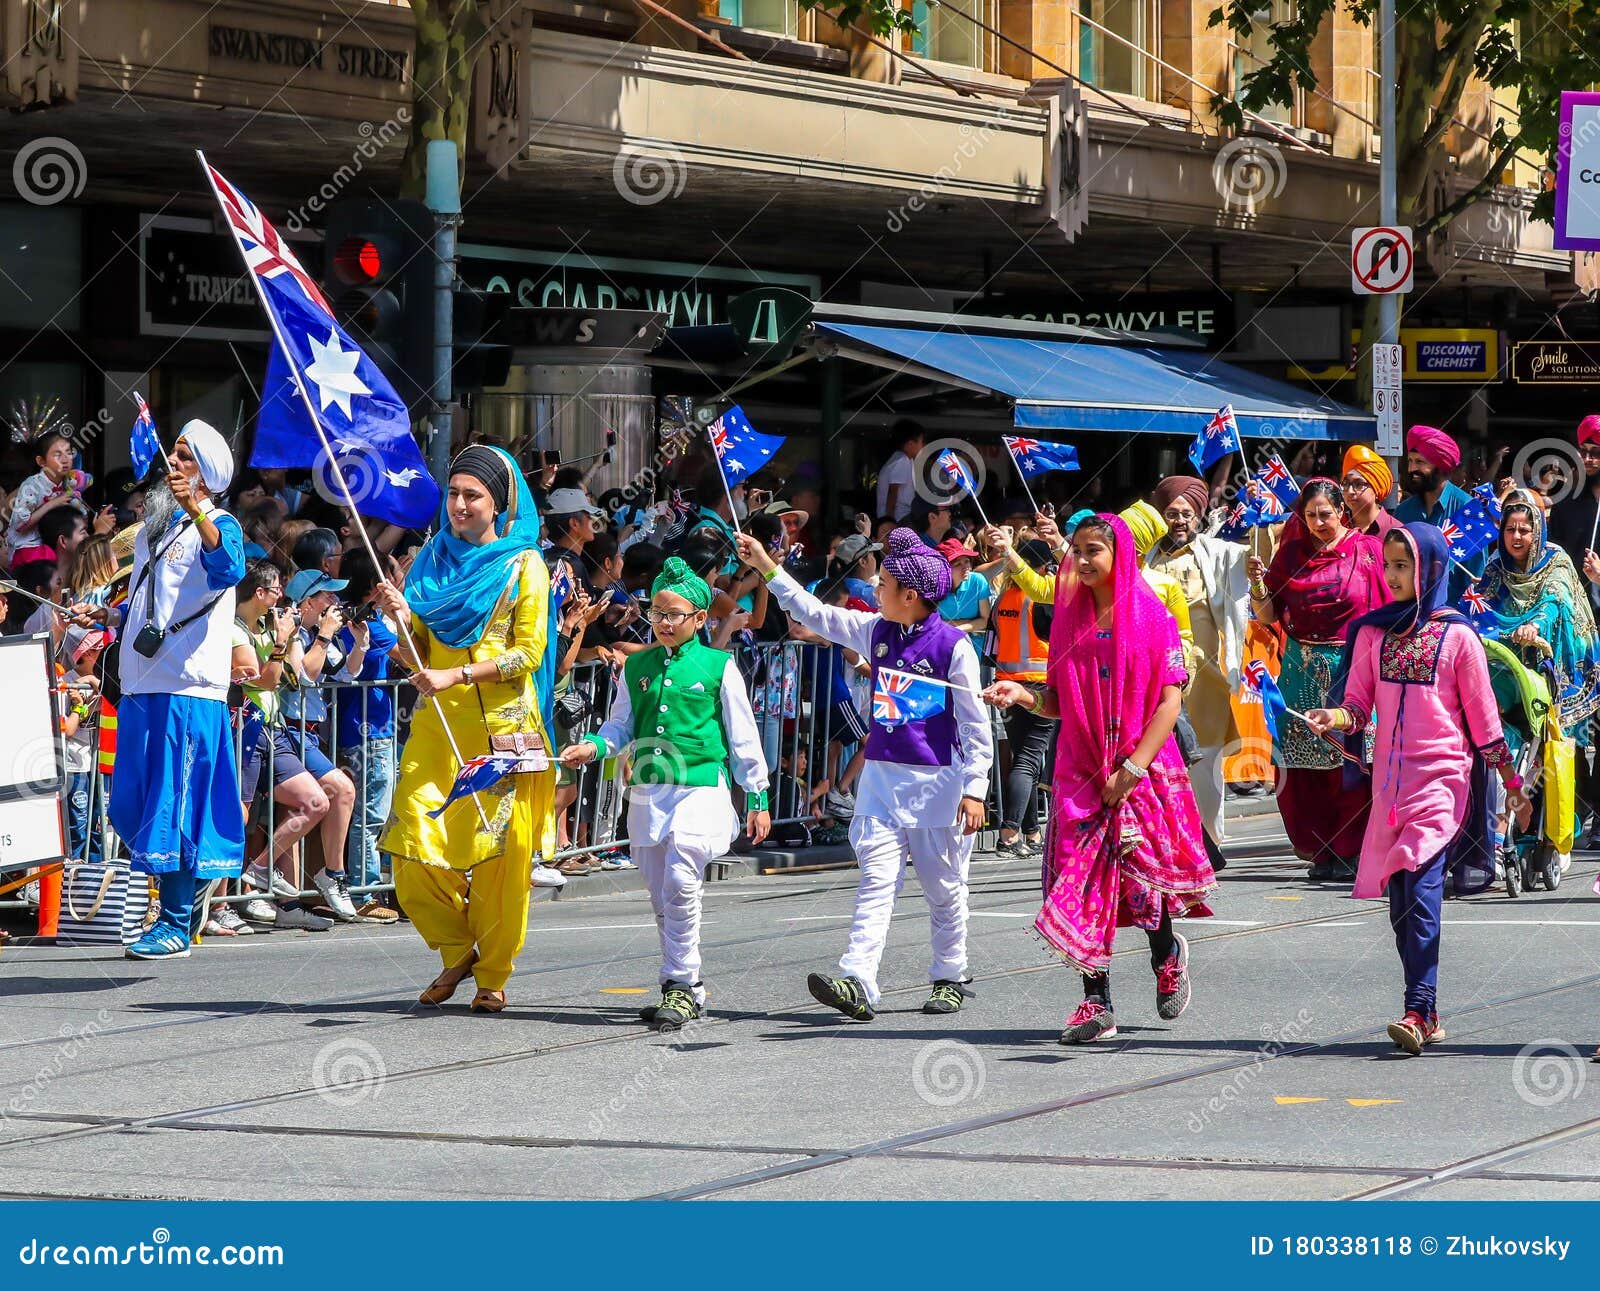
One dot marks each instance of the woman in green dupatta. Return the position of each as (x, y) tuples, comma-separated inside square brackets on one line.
[(1530, 593)]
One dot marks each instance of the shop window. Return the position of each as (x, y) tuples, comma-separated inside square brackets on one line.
[(41, 267), (944, 36), (1119, 65), (780, 17), (1254, 51)]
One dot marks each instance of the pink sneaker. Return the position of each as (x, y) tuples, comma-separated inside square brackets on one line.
[(1092, 1021), (1172, 981)]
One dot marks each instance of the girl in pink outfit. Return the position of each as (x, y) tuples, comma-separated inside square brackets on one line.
[(1422, 664), (1125, 846)]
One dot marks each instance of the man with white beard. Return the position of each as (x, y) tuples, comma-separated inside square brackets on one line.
[(175, 794)]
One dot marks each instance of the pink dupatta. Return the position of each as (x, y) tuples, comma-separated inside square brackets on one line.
[(1115, 866)]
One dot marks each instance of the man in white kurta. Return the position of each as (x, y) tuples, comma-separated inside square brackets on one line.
[(175, 792)]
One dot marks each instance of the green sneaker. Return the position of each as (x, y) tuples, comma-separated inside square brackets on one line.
[(678, 1006), (846, 994), (947, 997)]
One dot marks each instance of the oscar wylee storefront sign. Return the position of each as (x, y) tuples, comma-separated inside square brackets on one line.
[(688, 295), (1207, 318), (191, 284)]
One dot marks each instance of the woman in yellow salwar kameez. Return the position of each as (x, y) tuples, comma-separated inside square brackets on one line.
[(477, 601)]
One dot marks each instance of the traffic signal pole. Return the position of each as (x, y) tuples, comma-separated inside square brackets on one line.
[(1388, 214), (444, 200)]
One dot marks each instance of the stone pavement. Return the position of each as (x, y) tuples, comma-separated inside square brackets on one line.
[(298, 1065)]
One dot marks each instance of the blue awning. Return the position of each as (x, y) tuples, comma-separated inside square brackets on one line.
[(1087, 385)]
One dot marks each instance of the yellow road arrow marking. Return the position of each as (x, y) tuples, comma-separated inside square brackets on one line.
[(624, 990), (1285, 898), (1372, 1102), (1287, 1102)]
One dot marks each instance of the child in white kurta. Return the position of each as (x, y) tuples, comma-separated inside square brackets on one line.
[(681, 716), (922, 790)]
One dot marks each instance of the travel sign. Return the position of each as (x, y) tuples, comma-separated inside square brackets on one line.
[(1577, 223)]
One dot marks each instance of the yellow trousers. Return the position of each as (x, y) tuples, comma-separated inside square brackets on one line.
[(459, 911)]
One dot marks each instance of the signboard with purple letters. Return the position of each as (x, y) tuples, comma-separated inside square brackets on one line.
[(1577, 226)]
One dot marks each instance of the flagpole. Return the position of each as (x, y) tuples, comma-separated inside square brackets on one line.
[(1023, 476), (9, 588), (338, 471)]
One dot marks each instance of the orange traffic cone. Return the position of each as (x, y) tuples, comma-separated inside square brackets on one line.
[(49, 900)]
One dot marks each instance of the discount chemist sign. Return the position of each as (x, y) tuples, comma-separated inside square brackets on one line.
[(1578, 173)]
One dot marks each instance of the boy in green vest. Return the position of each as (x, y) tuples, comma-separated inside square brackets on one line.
[(679, 714)]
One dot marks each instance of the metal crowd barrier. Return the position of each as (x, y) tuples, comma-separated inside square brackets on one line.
[(793, 715)]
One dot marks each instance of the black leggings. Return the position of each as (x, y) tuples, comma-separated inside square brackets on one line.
[(1161, 947), (1030, 737)]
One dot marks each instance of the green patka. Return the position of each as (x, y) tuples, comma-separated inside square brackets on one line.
[(677, 715)]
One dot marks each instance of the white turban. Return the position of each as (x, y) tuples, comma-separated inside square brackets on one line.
[(212, 453)]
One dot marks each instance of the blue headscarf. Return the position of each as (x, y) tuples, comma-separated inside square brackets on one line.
[(1430, 556), (1549, 594), (455, 585)]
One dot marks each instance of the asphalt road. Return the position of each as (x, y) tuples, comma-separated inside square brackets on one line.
[(297, 1065)]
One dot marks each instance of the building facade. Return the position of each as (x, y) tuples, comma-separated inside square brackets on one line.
[(1059, 160)]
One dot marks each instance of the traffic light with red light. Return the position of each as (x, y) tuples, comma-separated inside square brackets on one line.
[(378, 276)]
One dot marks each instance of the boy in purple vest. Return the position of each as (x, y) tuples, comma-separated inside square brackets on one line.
[(922, 790)]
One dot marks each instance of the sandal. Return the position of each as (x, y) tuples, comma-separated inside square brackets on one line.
[(445, 985), (488, 1001)]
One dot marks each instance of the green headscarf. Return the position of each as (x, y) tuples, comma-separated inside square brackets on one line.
[(676, 577)]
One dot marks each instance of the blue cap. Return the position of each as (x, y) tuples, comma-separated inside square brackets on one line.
[(308, 582)]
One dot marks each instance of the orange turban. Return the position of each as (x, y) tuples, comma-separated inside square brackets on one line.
[(1361, 460)]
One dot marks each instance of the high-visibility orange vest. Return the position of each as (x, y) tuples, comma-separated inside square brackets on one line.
[(1020, 653)]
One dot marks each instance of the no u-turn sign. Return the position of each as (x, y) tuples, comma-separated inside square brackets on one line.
[(1380, 260)]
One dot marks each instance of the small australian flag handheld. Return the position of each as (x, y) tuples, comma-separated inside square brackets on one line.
[(144, 445), (741, 448), (1258, 686), (1034, 457), (901, 697), (1219, 438)]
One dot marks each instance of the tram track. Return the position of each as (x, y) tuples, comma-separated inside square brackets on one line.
[(888, 1147), (115, 1124)]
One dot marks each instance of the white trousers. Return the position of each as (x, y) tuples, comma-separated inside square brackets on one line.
[(674, 872), (941, 857)]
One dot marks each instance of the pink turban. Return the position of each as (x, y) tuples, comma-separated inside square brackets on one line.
[(1589, 429), (1434, 446)]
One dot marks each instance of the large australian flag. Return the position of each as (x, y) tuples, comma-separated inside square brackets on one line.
[(365, 446)]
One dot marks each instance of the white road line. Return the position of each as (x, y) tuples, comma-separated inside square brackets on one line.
[(1229, 923), (601, 927), (1525, 923), (999, 914)]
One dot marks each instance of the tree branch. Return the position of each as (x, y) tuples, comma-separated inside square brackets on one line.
[(1468, 198)]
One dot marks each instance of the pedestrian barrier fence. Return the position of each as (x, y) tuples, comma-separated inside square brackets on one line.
[(807, 741)]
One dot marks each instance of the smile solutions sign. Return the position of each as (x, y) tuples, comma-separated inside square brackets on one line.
[(1578, 173)]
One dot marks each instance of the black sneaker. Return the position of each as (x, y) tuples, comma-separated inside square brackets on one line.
[(678, 1006), (947, 997), (846, 994), (1172, 981), (1092, 1021)]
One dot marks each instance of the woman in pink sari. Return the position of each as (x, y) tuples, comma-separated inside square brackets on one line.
[(1125, 846), (1324, 576)]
